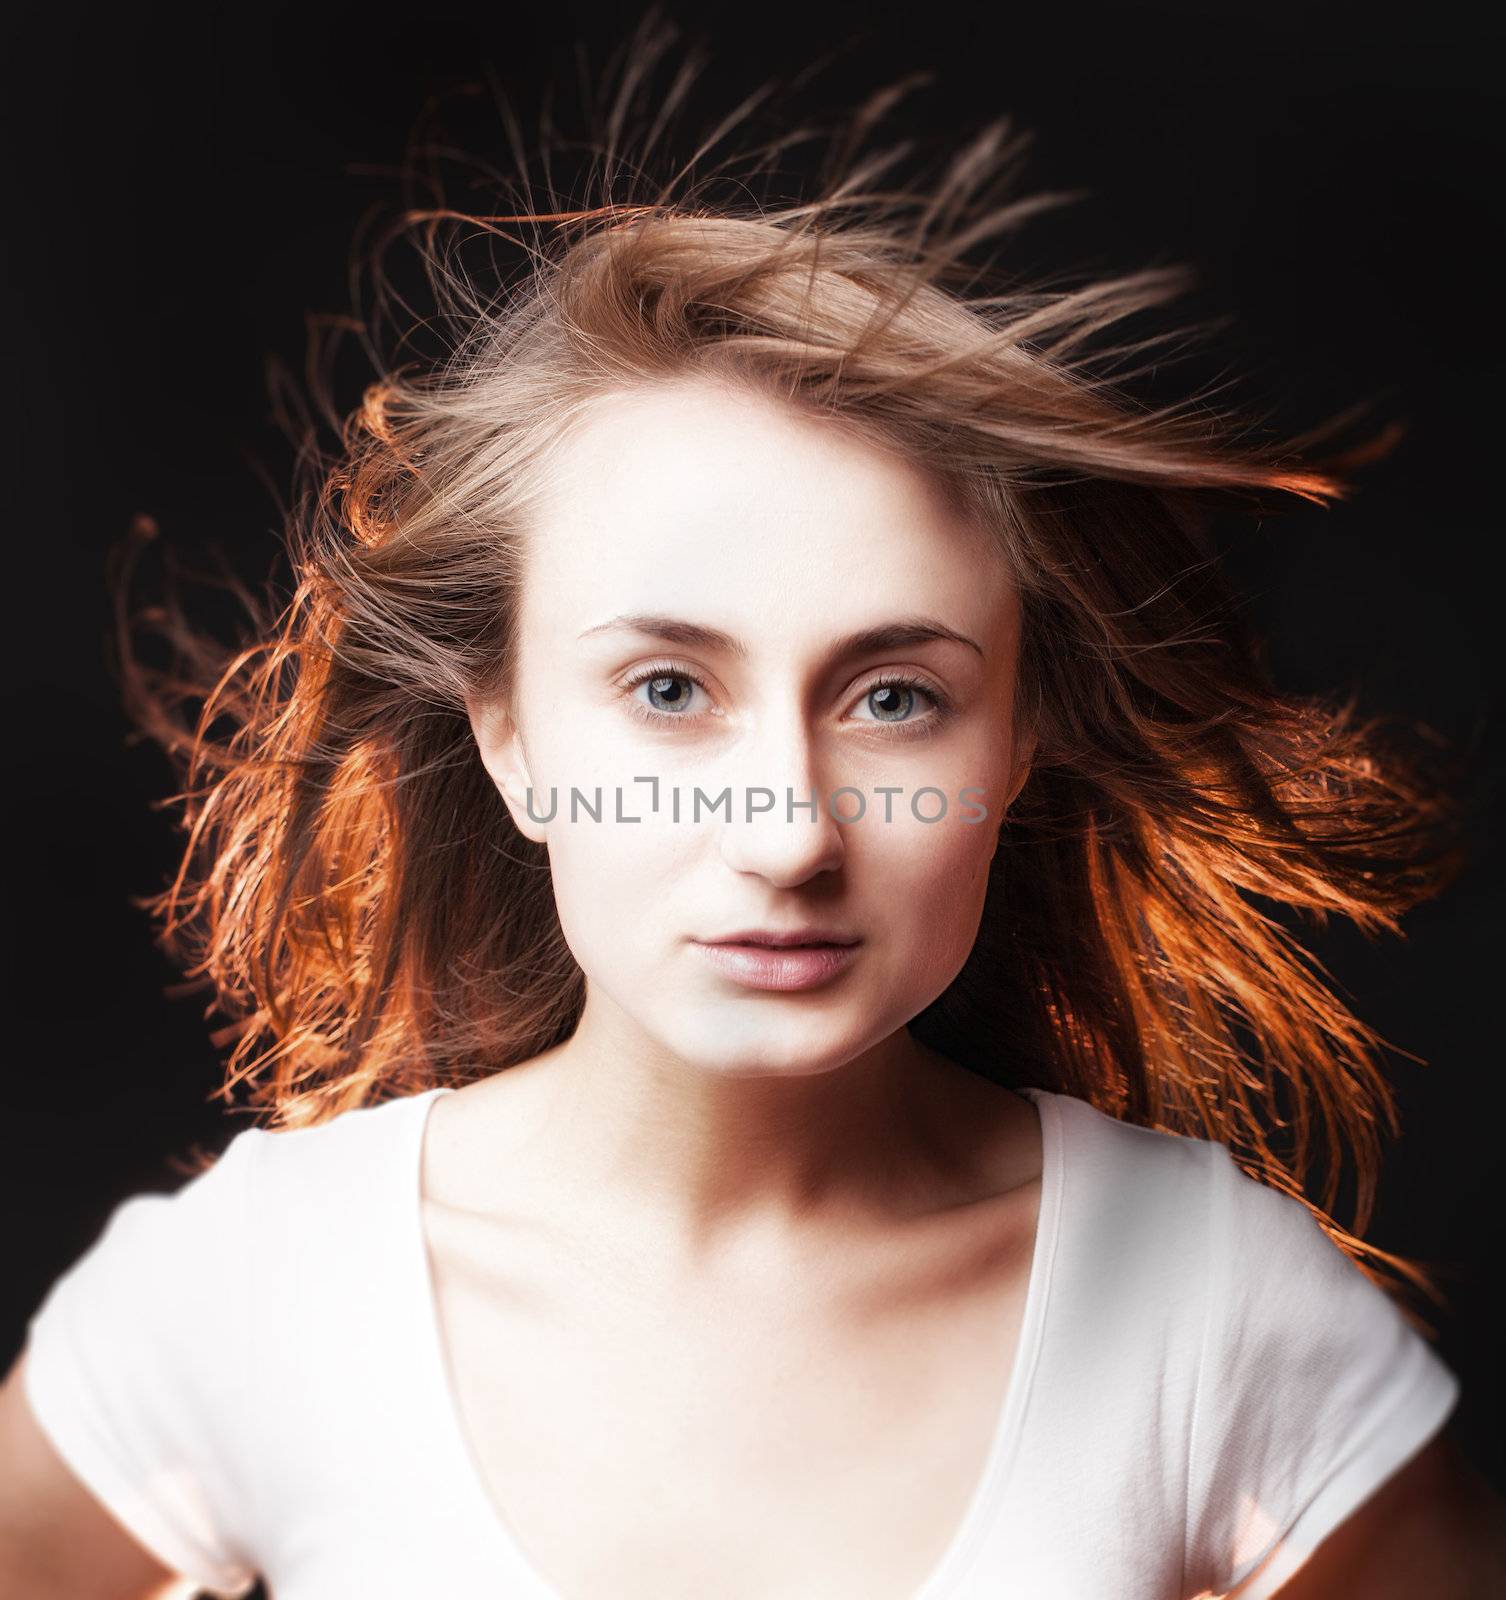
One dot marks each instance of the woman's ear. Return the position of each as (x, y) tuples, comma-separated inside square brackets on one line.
[(1025, 746), (501, 747)]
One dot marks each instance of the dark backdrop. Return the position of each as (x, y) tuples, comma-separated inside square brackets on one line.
[(182, 188)]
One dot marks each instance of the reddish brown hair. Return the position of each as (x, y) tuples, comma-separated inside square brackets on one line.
[(352, 886)]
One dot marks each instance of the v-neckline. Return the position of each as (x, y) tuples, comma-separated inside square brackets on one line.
[(460, 1473)]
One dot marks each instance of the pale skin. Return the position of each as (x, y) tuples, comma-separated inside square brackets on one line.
[(779, 1240)]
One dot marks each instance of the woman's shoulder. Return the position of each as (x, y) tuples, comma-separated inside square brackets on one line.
[(1103, 1158), (1270, 1273), (1186, 1184), (359, 1144), (1140, 1200), (145, 1359), (1314, 1385), (325, 1202), (210, 1226), (1302, 1382)]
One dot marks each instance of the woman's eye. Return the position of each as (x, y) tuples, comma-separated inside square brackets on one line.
[(897, 700), (663, 694)]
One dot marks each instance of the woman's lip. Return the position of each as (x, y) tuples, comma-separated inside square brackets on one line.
[(783, 967)]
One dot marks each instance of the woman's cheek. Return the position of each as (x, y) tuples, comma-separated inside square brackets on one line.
[(945, 880), (610, 881)]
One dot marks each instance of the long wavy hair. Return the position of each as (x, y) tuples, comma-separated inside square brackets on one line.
[(352, 889)]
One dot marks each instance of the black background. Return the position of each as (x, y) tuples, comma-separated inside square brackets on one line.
[(182, 190)]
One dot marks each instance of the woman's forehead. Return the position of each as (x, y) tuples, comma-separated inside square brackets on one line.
[(693, 494)]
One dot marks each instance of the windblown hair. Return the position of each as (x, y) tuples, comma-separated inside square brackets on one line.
[(352, 887)]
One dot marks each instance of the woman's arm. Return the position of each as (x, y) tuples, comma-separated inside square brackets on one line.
[(1436, 1527), (56, 1541)]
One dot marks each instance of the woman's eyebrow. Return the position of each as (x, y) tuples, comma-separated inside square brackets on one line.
[(866, 641)]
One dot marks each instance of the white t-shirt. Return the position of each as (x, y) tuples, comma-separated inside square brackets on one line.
[(249, 1375)]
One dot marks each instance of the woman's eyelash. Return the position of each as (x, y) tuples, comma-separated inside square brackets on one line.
[(942, 707)]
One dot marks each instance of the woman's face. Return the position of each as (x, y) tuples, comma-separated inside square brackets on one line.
[(764, 542)]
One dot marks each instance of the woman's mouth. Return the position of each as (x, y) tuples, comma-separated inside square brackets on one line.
[(781, 967)]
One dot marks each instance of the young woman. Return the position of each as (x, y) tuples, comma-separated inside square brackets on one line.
[(737, 876)]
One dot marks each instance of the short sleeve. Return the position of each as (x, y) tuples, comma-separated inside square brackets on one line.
[(136, 1370), (1313, 1389)]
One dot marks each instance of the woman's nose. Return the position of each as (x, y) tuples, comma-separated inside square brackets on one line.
[(780, 824)]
